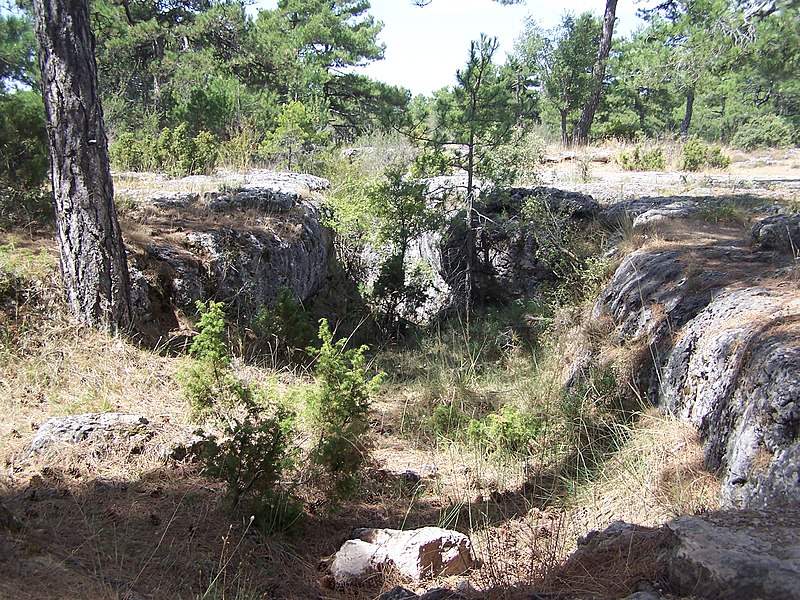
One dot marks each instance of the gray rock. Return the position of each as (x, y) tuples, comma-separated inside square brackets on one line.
[(573, 204), (442, 594), (741, 554), (735, 374), (245, 268), (418, 554), (720, 353), (779, 232), (92, 427), (398, 592), (745, 555)]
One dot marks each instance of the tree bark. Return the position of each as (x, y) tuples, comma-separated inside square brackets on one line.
[(584, 124), (687, 115), (93, 261)]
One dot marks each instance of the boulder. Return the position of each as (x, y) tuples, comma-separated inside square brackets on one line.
[(240, 246), (742, 554), (779, 232), (92, 427), (735, 373), (418, 554), (746, 555)]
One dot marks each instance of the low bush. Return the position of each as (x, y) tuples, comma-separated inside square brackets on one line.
[(207, 380), (286, 328), (507, 430), (174, 151), (254, 448), (694, 155), (250, 457), (697, 156), (337, 409), (642, 160)]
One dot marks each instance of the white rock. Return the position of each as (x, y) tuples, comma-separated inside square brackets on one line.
[(418, 554)]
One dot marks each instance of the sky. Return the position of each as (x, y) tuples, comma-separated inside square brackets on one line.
[(426, 46)]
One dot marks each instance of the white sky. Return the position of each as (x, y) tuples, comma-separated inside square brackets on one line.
[(426, 46)]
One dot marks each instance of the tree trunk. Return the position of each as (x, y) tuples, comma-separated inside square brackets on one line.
[(598, 74), (469, 272), (564, 137), (93, 261), (687, 116)]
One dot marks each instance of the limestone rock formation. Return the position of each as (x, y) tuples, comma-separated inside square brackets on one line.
[(92, 427), (742, 554), (738, 554), (418, 554), (719, 332), (241, 245), (779, 232)]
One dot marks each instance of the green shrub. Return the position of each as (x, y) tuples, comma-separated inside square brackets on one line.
[(507, 430), (287, 326), (299, 132), (430, 163), (338, 409), (767, 131), (716, 158), (251, 457), (208, 382), (254, 450), (173, 151), (24, 158), (642, 160), (204, 153), (447, 421), (694, 155), (697, 155), (594, 414)]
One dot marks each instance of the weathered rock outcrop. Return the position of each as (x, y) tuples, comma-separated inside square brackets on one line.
[(510, 264), (92, 428), (741, 554), (717, 327), (240, 247), (779, 232)]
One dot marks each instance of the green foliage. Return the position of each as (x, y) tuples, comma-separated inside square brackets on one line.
[(567, 81), (716, 157), (251, 456), (173, 151), (429, 163), (642, 160), (23, 140), (697, 155), (338, 409), (17, 51), (767, 131), (208, 382), (287, 325), (254, 450), (694, 155), (240, 151), (447, 421), (509, 430), (24, 158), (299, 133), (571, 254)]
